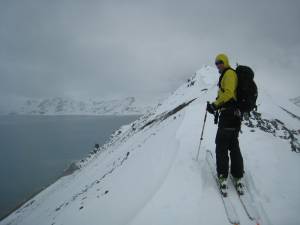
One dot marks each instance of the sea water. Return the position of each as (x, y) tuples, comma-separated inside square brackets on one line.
[(34, 150)]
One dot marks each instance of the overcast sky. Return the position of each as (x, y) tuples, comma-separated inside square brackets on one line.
[(112, 49)]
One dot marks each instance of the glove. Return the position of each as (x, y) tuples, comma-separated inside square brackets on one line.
[(211, 108)]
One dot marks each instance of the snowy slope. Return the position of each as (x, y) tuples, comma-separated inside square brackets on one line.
[(68, 106), (147, 174), (296, 101)]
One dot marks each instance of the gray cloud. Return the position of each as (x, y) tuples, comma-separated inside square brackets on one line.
[(111, 49)]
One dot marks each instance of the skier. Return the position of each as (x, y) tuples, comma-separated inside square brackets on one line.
[(229, 124)]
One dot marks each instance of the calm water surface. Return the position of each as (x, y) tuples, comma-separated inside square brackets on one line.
[(34, 150)]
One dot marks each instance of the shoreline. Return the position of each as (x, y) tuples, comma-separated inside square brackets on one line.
[(66, 172)]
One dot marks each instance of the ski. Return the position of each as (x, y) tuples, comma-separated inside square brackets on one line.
[(229, 208), (247, 203)]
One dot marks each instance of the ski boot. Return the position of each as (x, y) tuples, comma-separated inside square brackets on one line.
[(239, 185), (223, 185)]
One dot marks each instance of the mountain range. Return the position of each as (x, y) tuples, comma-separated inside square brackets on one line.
[(68, 106)]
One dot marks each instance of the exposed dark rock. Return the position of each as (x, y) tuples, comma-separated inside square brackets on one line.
[(275, 127), (71, 169), (166, 115)]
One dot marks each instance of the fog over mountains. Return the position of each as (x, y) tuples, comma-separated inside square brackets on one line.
[(68, 106)]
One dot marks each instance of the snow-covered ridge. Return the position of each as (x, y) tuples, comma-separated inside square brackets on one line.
[(296, 101), (68, 106), (147, 173)]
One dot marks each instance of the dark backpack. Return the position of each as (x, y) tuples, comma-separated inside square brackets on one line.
[(246, 90)]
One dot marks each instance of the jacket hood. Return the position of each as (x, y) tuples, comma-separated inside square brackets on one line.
[(224, 59)]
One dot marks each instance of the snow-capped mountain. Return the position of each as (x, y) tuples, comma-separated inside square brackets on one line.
[(147, 172), (67, 106)]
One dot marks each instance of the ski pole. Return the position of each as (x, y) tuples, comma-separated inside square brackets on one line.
[(201, 138)]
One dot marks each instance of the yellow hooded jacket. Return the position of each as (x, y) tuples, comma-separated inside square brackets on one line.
[(229, 83)]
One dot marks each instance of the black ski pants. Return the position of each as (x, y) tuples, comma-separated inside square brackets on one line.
[(227, 139)]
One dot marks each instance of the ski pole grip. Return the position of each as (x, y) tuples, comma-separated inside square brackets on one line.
[(207, 103)]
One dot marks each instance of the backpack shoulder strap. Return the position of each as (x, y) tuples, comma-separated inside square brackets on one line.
[(222, 75)]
